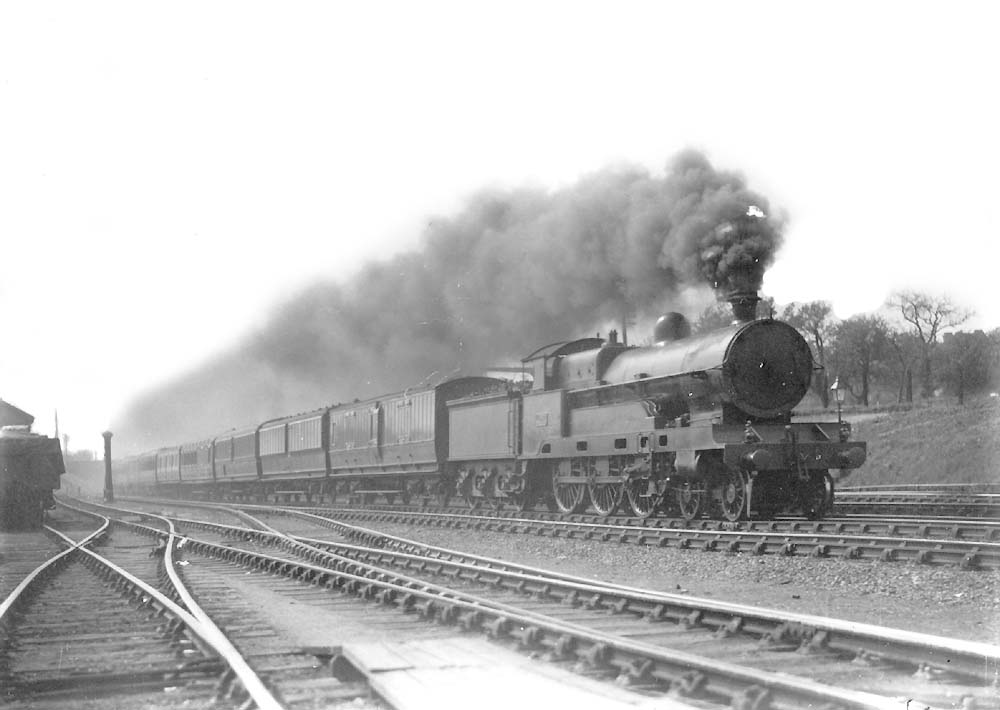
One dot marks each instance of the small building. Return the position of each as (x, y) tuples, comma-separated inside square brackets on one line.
[(12, 416)]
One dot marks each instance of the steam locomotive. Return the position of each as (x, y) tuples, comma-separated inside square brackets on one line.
[(692, 425)]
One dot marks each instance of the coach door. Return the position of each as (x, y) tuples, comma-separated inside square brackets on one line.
[(376, 430)]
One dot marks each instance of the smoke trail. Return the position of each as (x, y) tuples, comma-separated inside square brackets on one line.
[(511, 271)]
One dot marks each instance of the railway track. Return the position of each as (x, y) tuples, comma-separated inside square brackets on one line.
[(855, 524), (963, 514), (712, 652), (893, 501), (967, 500), (863, 540), (122, 629), (21, 553), (79, 626), (933, 540), (946, 488), (983, 530)]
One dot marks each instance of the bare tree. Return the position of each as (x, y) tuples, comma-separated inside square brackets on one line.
[(767, 308), (717, 315), (814, 320), (905, 347), (858, 345), (928, 316)]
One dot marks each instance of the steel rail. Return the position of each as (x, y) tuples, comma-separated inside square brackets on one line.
[(684, 672), (974, 660), (47, 567), (194, 618), (966, 554), (967, 658), (760, 538), (948, 528), (927, 500), (924, 487), (987, 504), (965, 529), (945, 529), (983, 511)]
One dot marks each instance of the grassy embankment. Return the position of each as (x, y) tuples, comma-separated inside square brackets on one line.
[(933, 443)]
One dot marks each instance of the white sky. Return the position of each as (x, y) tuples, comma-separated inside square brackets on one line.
[(168, 171)]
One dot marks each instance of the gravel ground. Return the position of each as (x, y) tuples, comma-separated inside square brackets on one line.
[(935, 600)]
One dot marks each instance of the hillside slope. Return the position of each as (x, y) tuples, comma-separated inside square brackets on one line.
[(939, 443)]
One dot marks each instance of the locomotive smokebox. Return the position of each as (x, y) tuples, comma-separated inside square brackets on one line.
[(744, 305)]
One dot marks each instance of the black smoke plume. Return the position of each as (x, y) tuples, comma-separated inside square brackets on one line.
[(513, 270)]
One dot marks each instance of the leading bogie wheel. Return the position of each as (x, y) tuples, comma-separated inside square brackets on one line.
[(689, 500), (733, 495)]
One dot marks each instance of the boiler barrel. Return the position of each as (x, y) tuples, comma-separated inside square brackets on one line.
[(763, 367)]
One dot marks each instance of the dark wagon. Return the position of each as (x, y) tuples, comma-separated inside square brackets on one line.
[(30, 467)]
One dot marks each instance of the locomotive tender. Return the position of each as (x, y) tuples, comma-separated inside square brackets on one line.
[(30, 467), (700, 425)]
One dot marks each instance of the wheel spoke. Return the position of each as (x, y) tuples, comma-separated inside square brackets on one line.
[(570, 497), (643, 505), (567, 497), (605, 497), (689, 498), (733, 495)]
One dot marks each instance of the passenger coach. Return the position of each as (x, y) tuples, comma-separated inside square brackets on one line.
[(390, 446)]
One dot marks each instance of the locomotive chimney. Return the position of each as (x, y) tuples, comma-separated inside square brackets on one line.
[(744, 305)]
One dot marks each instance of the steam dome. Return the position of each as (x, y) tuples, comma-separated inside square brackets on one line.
[(671, 327)]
